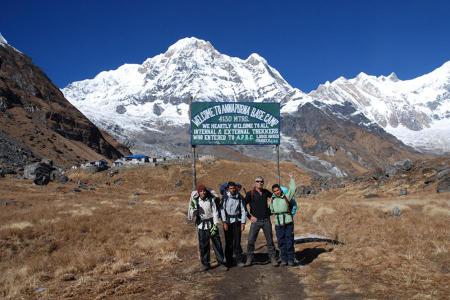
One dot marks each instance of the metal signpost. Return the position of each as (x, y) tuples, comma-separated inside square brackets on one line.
[(234, 123)]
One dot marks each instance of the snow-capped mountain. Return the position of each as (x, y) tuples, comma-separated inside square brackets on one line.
[(157, 92), (147, 106), (416, 111)]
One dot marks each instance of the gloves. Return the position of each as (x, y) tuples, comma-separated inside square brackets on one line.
[(213, 230), (193, 204)]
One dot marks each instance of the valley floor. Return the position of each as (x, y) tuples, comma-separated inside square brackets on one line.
[(125, 236)]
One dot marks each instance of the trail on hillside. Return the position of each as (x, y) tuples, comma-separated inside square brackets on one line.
[(260, 282)]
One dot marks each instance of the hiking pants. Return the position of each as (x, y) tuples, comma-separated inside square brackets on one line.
[(203, 240), (233, 243), (266, 226), (285, 236)]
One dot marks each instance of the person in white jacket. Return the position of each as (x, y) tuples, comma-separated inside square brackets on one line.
[(203, 207)]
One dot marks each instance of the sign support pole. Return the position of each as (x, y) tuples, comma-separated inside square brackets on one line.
[(278, 164), (194, 172)]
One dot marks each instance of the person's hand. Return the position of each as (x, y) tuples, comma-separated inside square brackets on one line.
[(291, 175), (253, 219), (213, 230), (242, 227), (225, 226)]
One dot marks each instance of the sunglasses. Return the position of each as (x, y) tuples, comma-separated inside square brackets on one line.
[(259, 181)]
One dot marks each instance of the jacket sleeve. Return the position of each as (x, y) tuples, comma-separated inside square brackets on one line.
[(243, 212), (215, 212), (292, 189), (272, 211), (192, 206), (222, 210), (294, 206)]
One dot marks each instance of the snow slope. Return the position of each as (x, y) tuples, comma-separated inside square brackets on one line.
[(155, 95)]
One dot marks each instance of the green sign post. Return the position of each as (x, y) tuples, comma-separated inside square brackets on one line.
[(235, 123)]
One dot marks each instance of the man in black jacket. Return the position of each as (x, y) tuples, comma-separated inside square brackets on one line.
[(258, 207)]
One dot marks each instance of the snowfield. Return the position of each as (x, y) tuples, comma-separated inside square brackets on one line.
[(157, 93)]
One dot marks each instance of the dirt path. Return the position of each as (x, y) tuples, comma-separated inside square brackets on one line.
[(260, 282)]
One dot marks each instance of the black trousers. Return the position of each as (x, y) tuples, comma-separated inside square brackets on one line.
[(233, 243), (204, 236), (266, 226)]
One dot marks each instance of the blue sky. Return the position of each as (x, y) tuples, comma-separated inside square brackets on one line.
[(308, 42)]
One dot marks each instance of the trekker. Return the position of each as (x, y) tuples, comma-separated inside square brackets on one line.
[(257, 204), (281, 206), (233, 217), (203, 206)]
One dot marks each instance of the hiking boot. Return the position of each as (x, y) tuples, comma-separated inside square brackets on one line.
[(274, 262), (291, 263), (240, 264), (248, 262), (206, 268), (283, 263), (222, 267)]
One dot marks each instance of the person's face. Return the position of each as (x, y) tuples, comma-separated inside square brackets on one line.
[(277, 191), (202, 194), (232, 189), (259, 183)]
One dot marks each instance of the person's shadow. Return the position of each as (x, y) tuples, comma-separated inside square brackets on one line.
[(303, 257), (308, 255)]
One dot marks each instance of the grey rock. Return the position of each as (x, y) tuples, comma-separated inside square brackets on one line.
[(120, 109), (396, 212), (40, 173), (443, 186), (443, 173), (8, 202), (403, 192), (390, 171), (404, 165)]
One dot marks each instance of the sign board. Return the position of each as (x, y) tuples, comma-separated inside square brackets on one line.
[(235, 123)]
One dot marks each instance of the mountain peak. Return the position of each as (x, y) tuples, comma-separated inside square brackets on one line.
[(392, 77), (190, 43), (3, 41), (256, 57)]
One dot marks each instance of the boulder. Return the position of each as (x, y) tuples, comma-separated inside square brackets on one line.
[(403, 192), (443, 173), (396, 212), (43, 172), (443, 186), (404, 165), (390, 171), (31, 171)]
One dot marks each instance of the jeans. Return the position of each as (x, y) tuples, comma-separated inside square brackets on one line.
[(233, 243), (266, 226), (285, 236), (204, 245)]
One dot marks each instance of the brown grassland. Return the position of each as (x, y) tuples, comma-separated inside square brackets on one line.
[(126, 237)]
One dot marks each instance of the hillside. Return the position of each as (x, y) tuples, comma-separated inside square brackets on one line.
[(36, 118)]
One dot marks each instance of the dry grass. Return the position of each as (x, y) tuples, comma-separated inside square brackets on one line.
[(131, 240), (384, 256)]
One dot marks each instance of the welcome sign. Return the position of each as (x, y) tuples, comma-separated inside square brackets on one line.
[(235, 123)]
